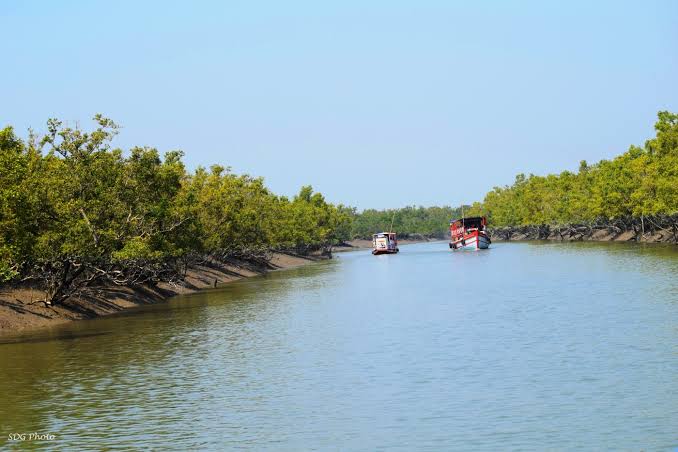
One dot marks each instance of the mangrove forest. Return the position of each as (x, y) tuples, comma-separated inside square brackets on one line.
[(76, 211)]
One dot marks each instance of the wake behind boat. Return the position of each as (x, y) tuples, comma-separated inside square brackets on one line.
[(469, 233)]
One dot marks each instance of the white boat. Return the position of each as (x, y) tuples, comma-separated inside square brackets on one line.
[(384, 243)]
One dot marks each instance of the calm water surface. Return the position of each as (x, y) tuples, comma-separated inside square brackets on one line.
[(523, 346)]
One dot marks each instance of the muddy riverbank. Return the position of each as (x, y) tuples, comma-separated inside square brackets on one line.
[(21, 309), (662, 229)]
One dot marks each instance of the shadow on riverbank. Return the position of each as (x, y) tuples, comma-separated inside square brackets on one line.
[(656, 229), (21, 308)]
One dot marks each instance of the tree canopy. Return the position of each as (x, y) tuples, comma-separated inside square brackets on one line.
[(71, 204), (428, 221), (643, 181), (72, 207)]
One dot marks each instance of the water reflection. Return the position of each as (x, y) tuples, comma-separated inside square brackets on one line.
[(522, 346)]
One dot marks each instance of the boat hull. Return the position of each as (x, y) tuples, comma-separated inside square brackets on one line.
[(472, 242), (376, 252)]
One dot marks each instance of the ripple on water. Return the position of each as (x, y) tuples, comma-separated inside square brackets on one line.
[(525, 346)]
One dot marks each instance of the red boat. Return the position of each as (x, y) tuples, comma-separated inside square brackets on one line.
[(469, 233)]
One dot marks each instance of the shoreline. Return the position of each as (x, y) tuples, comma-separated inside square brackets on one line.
[(20, 312), (583, 233), (541, 234)]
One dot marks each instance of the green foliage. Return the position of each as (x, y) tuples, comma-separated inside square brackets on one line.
[(21, 202), (640, 182), (428, 221), (69, 198)]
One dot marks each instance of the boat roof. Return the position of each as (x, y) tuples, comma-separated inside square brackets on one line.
[(469, 220), (384, 233)]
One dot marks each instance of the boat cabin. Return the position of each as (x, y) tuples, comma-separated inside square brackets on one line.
[(384, 243), (469, 233)]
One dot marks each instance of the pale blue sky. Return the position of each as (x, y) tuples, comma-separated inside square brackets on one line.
[(376, 104)]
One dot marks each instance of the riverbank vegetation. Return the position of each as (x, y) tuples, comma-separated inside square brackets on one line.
[(636, 191), (75, 212), (640, 183), (411, 221)]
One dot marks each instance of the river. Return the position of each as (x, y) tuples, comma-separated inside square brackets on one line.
[(523, 346)]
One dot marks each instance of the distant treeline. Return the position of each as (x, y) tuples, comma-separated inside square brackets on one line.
[(74, 212), (407, 221), (642, 182)]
